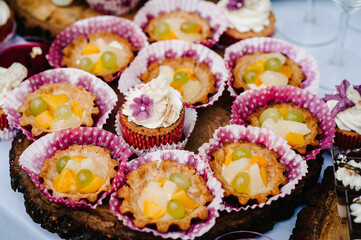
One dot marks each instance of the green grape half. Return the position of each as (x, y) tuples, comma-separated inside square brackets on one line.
[(241, 152), (109, 60), (86, 64), (37, 106), (84, 177), (188, 27), (162, 30), (61, 163), (180, 77), (241, 181), (63, 112), (176, 209), (294, 115), (250, 76), (181, 180), (273, 64), (273, 113)]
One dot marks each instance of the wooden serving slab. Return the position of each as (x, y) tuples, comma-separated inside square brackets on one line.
[(101, 224)]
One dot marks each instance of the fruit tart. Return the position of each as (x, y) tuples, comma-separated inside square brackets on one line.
[(248, 171), (166, 194), (102, 54), (178, 24), (192, 79), (289, 121), (57, 106), (79, 172), (259, 70)]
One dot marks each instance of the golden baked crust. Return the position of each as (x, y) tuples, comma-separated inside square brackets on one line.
[(267, 30), (99, 154), (194, 17), (310, 120), (274, 169), (201, 71), (138, 179), (242, 64), (85, 99), (73, 52)]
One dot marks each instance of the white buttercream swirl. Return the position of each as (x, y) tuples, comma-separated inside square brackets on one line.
[(10, 78), (348, 177), (254, 15), (167, 103), (356, 210), (350, 118), (4, 12)]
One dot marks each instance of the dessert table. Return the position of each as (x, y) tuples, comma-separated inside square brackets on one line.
[(15, 223)]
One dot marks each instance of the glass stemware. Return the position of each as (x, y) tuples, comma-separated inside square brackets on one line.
[(340, 64), (312, 27)]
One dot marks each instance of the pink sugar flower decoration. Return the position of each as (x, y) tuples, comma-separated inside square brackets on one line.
[(235, 4), (142, 107)]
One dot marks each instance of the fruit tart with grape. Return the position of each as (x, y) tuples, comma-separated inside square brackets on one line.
[(293, 123), (178, 24), (102, 54), (259, 70), (248, 171), (79, 172), (57, 106), (192, 79), (165, 194)]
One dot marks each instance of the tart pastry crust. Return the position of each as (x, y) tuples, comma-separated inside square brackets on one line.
[(73, 52), (267, 30), (310, 120), (85, 99), (138, 179), (194, 17), (274, 169), (101, 155), (201, 71), (242, 63)]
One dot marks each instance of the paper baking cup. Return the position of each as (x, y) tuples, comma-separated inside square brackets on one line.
[(183, 157), (120, 26), (106, 97), (8, 133), (175, 49), (190, 118), (32, 159), (296, 166), (207, 10), (264, 44), (247, 102), (113, 7)]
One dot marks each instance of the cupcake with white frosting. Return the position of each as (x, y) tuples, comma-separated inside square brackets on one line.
[(247, 18), (9, 79), (7, 22), (345, 106), (152, 115)]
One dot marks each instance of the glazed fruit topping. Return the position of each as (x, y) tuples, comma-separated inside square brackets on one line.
[(181, 180)]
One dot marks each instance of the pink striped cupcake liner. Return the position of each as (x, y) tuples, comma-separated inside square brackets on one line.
[(207, 10), (190, 118), (8, 133), (265, 44), (106, 97), (120, 26), (247, 102), (32, 159), (172, 49), (113, 7), (180, 156), (296, 166)]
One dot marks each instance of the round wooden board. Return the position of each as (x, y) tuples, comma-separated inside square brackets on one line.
[(101, 224)]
